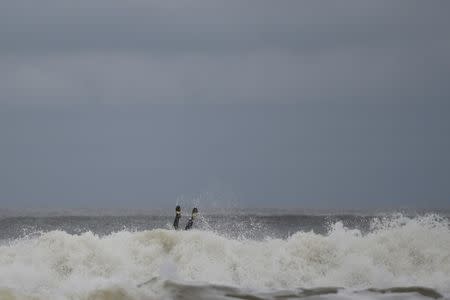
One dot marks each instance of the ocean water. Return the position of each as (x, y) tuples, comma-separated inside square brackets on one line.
[(226, 257)]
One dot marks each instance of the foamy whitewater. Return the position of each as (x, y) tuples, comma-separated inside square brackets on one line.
[(393, 257)]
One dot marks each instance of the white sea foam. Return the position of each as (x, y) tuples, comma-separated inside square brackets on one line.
[(397, 252)]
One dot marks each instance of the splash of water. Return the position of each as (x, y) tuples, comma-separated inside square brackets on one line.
[(398, 251)]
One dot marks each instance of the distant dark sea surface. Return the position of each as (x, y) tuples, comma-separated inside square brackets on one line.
[(242, 256)]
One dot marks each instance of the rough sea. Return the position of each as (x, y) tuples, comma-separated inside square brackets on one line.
[(243, 256)]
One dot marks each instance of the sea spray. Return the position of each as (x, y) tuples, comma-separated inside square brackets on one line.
[(398, 251)]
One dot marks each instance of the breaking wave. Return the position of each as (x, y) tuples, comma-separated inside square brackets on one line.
[(397, 252)]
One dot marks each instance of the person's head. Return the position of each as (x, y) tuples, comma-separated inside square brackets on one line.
[(194, 212), (178, 209)]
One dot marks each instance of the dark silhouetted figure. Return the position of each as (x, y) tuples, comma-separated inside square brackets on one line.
[(177, 217), (191, 219)]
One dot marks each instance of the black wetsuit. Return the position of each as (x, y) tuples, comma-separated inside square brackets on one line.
[(189, 223), (177, 220)]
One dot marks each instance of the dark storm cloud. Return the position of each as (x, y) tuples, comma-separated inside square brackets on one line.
[(333, 104), (203, 51), (208, 26)]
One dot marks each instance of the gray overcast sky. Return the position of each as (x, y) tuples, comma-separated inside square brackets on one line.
[(314, 104)]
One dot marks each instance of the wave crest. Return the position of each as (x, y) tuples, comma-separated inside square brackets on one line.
[(398, 251)]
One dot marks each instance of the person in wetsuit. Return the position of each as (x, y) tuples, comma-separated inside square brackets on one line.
[(191, 219), (177, 217)]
